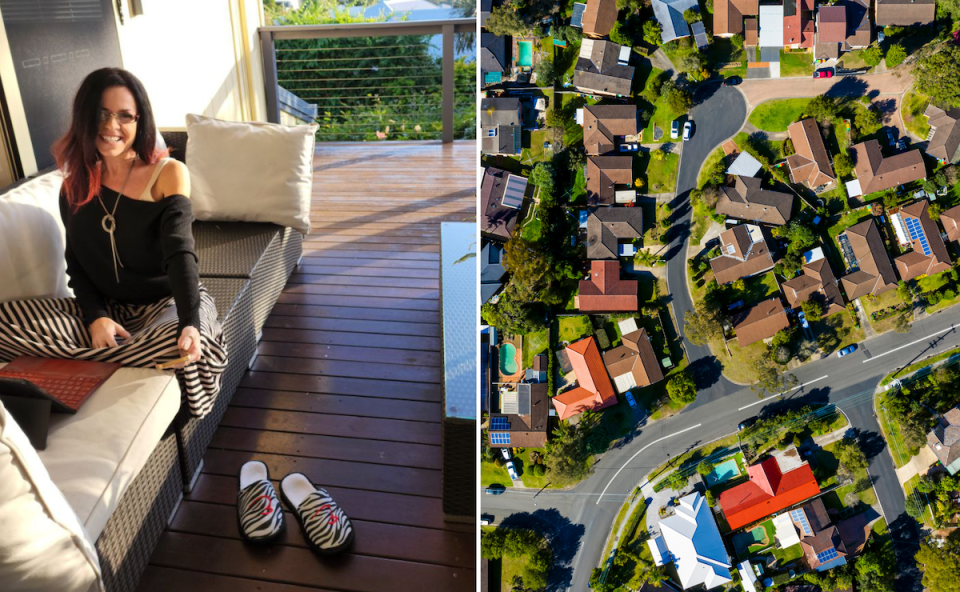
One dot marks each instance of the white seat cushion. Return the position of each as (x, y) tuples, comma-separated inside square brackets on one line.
[(94, 455)]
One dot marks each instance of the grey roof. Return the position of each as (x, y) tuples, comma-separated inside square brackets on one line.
[(493, 52), (945, 143), (605, 228), (745, 165), (513, 192), (500, 111), (771, 26), (669, 13), (700, 34), (598, 70), (502, 115), (485, 6), (491, 263), (576, 20)]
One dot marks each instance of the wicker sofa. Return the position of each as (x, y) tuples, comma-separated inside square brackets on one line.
[(245, 267)]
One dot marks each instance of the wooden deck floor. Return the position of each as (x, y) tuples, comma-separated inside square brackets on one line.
[(346, 389)]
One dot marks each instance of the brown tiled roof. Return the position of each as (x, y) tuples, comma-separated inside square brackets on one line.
[(905, 13), (859, 25), (635, 356), (529, 431), (828, 538), (600, 72), (877, 173), (607, 226), (798, 24), (826, 51), (747, 200), (833, 24), (810, 164), (817, 278), (915, 263), (603, 123), (816, 514), (875, 275), (605, 291), (728, 15), (951, 222), (945, 143), (854, 532), (604, 173), (497, 219), (751, 32), (744, 260), (599, 17), (595, 390), (760, 322)]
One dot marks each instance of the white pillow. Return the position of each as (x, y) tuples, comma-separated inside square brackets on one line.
[(32, 240), (43, 546), (253, 172)]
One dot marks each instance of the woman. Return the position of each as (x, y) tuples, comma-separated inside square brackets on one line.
[(129, 250)]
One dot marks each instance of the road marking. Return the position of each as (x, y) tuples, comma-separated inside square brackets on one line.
[(638, 452), (950, 328), (790, 391)]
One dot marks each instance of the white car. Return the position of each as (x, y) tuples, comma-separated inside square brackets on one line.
[(630, 399), (686, 130), (506, 453), (512, 470), (675, 129), (484, 522)]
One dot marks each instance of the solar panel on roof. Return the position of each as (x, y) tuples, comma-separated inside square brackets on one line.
[(800, 517), (513, 192), (503, 439), (825, 556), (523, 399), (577, 19), (499, 423)]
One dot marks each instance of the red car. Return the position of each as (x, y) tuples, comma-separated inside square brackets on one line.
[(823, 74)]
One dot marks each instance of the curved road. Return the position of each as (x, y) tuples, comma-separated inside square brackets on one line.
[(577, 521)]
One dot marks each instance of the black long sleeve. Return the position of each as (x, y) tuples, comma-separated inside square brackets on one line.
[(180, 262), (90, 300)]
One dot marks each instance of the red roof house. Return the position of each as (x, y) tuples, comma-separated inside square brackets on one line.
[(605, 291), (768, 491), (595, 390)]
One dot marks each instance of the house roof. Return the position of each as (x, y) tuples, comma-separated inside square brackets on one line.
[(875, 275), (746, 199), (951, 222), (810, 164), (528, 430), (833, 24), (826, 51), (768, 491), (491, 270), (699, 34), (771, 25), (945, 142), (595, 390), (905, 13), (599, 17), (743, 253), (916, 263), (813, 518), (947, 436), (816, 281), (635, 357), (669, 13), (693, 539), (822, 542), (607, 226), (497, 219), (877, 173), (854, 532), (728, 15), (751, 32), (503, 115), (603, 123), (605, 291), (859, 26), (493, 52), (604, 173), (760, 322), (746, 165), (598, 69), (798, 24)]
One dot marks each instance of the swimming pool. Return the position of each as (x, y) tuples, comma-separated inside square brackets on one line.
[(508, 359), (524, 54), (723, 472)]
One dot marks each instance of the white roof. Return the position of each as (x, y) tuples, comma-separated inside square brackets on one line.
[(853, 188), (627, 326), (756, 236), (694, 542), (786, 531), (771, 26), (899, 228), (658, 549), (625, 382), (625, 54), (579, 117), (625, 195), (745, 166), (747, 577), (586, 48), (813, 255)]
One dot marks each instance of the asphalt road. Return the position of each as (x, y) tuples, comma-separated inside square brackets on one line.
[(578, 521)]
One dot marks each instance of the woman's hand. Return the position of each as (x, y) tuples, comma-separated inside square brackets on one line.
[(104, 332), (189, 344)]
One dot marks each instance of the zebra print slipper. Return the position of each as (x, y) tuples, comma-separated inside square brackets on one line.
[(325, 527), (259, 514)]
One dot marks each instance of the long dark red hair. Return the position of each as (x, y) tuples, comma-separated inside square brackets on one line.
[(76, 152)]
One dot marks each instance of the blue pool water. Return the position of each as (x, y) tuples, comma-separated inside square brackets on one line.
[(723, 472)]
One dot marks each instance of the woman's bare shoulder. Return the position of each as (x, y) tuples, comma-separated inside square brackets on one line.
[(174, 179)]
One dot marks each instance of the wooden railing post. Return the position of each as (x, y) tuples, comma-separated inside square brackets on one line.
[(268, 51), (448, 84)]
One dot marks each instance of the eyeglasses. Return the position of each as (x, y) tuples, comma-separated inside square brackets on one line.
[(123, 117)]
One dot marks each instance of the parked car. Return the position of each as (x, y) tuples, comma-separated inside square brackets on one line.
[(630, 399), (506, 453), (847, 350), (803, 320), (486, 519), (675, 129), (495, 489), (825, 73), (687, 127), (890, 139), (732, 81), (902, 144), (735, 305), (512, 470), (746, 423), (484, 522)]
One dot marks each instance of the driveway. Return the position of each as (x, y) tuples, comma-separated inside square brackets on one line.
[(918, 465), (771, 55), (873, 85)]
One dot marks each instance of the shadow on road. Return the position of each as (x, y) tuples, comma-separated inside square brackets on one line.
[(563, 536), (848, 86), (871, 443), (706, 372), (905, 538)]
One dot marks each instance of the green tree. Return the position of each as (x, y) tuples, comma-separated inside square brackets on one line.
[(799, 237), (902, 324), (812, 309), (491, 543), (938, 75), (875, 571), (850, 455), (821, 108), (542, 176), (682, 389), (567, 455), (513, 314), (691, 16), (652, 32), (866, 121), (546, 73), (701, 324), (678, 100), (705, 467), (770, 380), (737, 41), (903, 291), (843, 165), (895, 55), (620, 35), (940, 564), (872, 55), (503, 20)]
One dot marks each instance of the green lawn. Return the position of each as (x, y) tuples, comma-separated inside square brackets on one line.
[(828, 464), (532, 229), (891, 429), (738, 366), (573, 328), (662, 116), (755, 289), (853, 60), (661, 176), (933, 282), (533, 344), (912, 108), (533, 147), (778, 114), (708, 166), (785, 556), (578, 193), (885, 300), (795, 64), (921, 500), (723, 51), (491, 473), (509, 567)]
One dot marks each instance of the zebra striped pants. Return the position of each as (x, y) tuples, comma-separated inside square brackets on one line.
[(54, 328)]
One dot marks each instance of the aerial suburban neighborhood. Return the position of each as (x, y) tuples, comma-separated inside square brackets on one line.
[(719, 264)]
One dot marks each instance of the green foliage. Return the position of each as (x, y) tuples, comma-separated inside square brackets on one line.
[(833, 580), (620, 35), (938, 75), (701, 324), (875, 570), (867, 121), (872, 55), (903, 291), (770, 380), (652, 32), (813, 310), (711, 498), (678, 100), (691, 16), (512, 314), (895, 55), (567, 453), (546, 73), (850, 456), (682, 389), (902, 324), (737, 41), (821, 107), (520, 543), (503, 20), (542, 176), (843, 165), (705, 467), (798, 236), (652, 91)]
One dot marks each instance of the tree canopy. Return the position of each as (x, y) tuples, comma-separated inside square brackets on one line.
[(503, 20), (682, 389), (701, 324), (652, 32), (938, 75), (872, 55), (940, 564)]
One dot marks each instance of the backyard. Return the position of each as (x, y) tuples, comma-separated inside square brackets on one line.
[(660, 175), (778, 114), (853, 60), (795, 63), (572, 329), (914, 104), (533, 344)]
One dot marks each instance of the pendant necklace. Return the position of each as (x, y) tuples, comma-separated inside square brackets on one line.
[(109, 222)]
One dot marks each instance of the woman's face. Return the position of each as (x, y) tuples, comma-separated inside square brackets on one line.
[(118, 125)]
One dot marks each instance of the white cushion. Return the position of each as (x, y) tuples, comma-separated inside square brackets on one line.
[(43, 546), (32, 240), (253, 172), (94, 455)]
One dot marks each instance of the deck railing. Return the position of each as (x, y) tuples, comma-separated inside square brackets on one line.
[(375, 81)]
